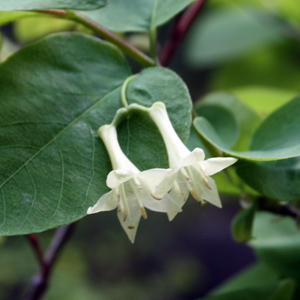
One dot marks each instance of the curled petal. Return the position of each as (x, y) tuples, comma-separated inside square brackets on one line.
[(217, 164), (108, 201), (153, 177), (197, 155), (165, 185), (117, 177)]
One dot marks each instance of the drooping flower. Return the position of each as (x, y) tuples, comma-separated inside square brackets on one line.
[(131, 189), (191, 173)]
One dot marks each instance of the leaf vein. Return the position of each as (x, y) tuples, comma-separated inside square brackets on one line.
[(34, 198), (93, 165), (58, 135)]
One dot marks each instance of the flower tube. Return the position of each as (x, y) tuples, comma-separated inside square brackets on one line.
[(191, 173), (131, 189)]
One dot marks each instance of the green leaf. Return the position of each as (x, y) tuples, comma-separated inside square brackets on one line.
[(53, 165), (256, 275), (45, 4), (139, 134), (271, 141), (277, 179), (277, 243), (136, 15), (242, 224), (284, 289), (223, 122), (247, 120), (219, 36), (194, 142), (29, 29)]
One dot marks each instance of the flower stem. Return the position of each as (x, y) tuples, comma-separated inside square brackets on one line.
[(103, 33), (123, 90)]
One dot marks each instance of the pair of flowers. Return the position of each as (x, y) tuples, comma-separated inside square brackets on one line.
[(161, 190)]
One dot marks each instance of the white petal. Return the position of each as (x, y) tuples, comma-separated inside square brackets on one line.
[(166, 204), (131, 220), (179, 196), (108, 201), (217, 164), (165, 185), (197, 155), (117, 177), (153, 177), (212, 195)]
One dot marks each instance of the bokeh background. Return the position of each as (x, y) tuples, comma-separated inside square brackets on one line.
[(246, 47)]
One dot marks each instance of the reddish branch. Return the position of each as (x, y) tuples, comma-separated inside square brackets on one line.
[(273, 206), (179, 30), (39, 281), (35, 243)]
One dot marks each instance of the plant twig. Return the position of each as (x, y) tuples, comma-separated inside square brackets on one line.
[(275, 207), (179, 30), (35, 244), (103, 33), (39, 281)]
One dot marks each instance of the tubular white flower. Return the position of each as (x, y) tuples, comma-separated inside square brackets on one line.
[(131, 189), (190, 171)]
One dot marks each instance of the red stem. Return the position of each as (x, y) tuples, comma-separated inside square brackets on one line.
[(179, 30), (35, 243), (39, 281)]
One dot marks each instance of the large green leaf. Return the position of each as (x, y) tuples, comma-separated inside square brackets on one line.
[(247, 120), (138, 136), (55, 94), (277, 137), (45, 4), (275, 179), (277, 243), (220, 35), (136, 15), (258, 274), (282, 290)]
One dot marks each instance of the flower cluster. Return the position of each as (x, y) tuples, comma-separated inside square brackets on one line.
[(161, 190)]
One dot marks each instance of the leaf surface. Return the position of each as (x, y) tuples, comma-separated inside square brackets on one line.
[(276, 138), (136, 15), (46, 4)]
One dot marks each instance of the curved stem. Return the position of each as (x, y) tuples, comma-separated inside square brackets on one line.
[(277, 208), (35, 243), (103, 33), (123, 90), (39, 281)]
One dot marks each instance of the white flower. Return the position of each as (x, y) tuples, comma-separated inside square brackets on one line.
[(191, 173), (131, 189)]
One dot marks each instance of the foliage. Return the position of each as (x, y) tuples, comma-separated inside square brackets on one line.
[(60, 83)]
